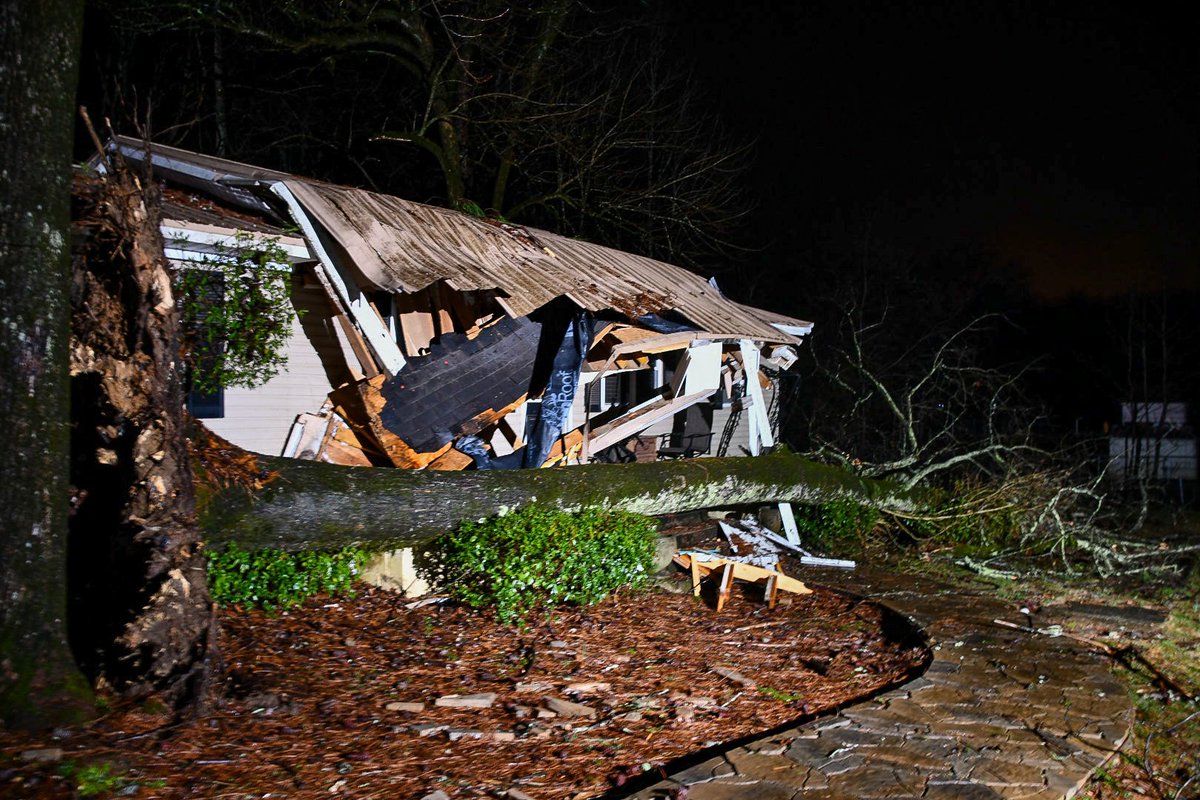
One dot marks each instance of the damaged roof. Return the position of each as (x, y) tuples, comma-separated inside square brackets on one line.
[(402, 246)]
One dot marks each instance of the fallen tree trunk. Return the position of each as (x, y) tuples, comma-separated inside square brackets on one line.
[(310, 505)]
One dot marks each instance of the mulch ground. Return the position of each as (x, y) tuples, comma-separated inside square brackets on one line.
[(316, 698)]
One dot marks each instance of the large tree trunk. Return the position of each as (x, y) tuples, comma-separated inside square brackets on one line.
[(141, 615), (308, 505), (39, 44)]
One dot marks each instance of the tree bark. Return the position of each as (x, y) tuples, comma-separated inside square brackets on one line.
[(39, 44), (310, 505), (140, 608)]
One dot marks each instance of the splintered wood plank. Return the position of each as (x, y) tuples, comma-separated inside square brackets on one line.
[(336, 452), (340, 445), (639, 419), (488, 417), (703, 565), (451, 460), (726, 588), (566, 446), (366, 359), (363, 403)]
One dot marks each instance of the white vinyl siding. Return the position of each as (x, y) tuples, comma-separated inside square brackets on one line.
[(259, 419)]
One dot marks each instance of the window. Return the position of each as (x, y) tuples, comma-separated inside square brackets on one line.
[(204, 402), (624, 389), (206, 405), (604, 393)]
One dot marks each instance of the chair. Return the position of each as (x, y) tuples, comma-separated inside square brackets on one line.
[(691, 434)]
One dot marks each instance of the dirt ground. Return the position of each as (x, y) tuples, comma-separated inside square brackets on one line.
[(339, 697)]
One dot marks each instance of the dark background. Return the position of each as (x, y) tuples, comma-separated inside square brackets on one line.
[(934, 159), (1060, 135)]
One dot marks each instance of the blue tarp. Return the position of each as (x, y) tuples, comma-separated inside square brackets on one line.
[(545, 420)]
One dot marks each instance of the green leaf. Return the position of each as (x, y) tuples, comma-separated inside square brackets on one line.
[(540, 557)]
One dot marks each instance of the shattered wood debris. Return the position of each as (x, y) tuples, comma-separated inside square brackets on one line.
[(731, 568), (759, 544)]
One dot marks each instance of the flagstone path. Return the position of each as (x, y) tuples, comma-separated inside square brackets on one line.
[(999, 713)]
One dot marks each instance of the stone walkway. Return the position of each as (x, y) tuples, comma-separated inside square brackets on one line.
[(998, 714)]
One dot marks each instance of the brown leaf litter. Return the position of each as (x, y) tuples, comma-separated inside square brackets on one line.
[(339, 697)]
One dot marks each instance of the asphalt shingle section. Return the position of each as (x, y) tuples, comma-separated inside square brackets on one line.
[(433, 395)]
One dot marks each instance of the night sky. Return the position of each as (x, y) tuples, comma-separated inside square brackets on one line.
[(1059, 136)]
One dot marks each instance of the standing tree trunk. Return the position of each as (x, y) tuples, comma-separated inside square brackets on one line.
[(40, 684)]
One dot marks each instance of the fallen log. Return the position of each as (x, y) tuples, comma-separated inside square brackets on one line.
[(311, 505)]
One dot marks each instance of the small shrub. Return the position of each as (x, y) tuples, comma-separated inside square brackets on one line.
[(274, 579), (539, 557), (839, 528), (781, 696), (91, 779)]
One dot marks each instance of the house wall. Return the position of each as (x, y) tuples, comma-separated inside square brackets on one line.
[(259, 419)]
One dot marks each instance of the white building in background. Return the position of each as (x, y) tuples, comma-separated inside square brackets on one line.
[(1153, 442)]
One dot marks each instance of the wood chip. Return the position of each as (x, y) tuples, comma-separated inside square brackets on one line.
[(483, 700), (565, 708), (588, 687), (729, 673), (647, 646)]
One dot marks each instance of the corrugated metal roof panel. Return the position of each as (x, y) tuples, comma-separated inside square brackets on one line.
[(212, 166), (399, 245)]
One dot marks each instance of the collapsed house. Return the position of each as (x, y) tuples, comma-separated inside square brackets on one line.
[(425, 338)]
